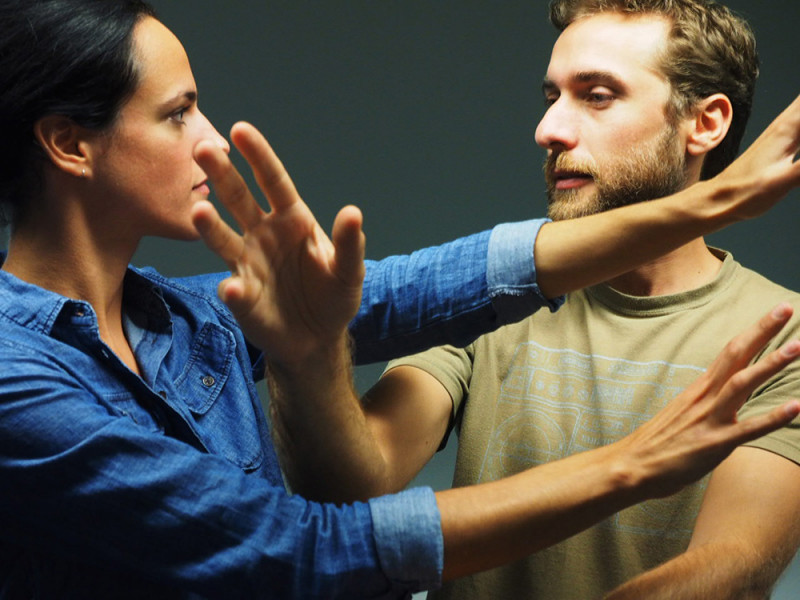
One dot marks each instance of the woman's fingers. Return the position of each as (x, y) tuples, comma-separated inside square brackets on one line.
[(742, 384), (755, 427), (738, 352)]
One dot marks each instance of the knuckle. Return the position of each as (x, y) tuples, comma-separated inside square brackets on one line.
[(737, 347), (739, 381)]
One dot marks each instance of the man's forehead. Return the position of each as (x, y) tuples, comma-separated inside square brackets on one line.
[(608, 46)]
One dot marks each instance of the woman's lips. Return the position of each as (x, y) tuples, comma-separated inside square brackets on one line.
[(202, 187)]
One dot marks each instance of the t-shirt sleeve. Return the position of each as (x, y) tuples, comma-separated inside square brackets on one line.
[(451, 366), (779, 389)]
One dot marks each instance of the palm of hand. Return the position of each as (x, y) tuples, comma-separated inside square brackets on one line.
[(285, 291), (292, 289)]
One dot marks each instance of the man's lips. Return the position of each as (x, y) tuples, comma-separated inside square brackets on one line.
[(566, 180)]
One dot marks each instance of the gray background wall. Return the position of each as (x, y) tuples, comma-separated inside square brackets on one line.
[(423, 114)]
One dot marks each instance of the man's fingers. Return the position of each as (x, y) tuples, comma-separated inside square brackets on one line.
[(349, 242), (229, 185), (241, 294), (217, 235), (267, 168)]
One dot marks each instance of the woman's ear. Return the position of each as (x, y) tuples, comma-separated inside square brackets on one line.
[(710, 125), (65, 144)]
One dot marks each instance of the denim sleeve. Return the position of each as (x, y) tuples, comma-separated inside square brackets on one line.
[(511, 278), (173, 514), (408, 529), (448, 294)]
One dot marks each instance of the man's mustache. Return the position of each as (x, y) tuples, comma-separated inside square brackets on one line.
[(557, 166)]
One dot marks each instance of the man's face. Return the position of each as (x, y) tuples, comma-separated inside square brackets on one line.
[(608, 139)]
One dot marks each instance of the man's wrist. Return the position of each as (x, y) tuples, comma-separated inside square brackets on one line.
[(325, 358)]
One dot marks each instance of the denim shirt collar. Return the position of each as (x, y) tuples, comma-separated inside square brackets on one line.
[(45, 311)]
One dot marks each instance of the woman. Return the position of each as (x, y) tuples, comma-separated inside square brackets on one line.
[(134, 453)]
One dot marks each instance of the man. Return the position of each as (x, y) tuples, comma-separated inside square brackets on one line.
[(645, 98), (292, 292)]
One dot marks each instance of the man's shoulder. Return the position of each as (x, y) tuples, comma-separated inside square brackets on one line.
[(760, 283), (751, 290)]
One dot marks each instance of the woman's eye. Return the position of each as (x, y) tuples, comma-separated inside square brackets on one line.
[(178, 115)]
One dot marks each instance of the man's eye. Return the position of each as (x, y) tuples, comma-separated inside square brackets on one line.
[(599, 97)]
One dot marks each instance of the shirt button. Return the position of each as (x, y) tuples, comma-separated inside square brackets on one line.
[(208, 381)]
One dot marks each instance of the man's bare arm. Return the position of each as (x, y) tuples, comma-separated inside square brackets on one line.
[(747, 532)]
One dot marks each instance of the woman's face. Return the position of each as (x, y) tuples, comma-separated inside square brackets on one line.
[(145, 170)]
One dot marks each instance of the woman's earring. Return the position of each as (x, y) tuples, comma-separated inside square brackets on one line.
[(83, 172)]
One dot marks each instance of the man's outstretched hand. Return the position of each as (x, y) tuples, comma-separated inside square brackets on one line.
[(292, 289)]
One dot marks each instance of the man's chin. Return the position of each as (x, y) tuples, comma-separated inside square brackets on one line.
[(571, 205)]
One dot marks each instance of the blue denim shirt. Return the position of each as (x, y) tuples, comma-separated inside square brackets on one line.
[(167, 485)]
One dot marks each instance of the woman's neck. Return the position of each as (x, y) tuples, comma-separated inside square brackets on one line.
[(70, 261)]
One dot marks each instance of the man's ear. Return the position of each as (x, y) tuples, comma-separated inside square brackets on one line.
[(65, 143), (712, 119)]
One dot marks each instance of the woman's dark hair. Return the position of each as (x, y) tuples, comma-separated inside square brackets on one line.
[(72, 58)]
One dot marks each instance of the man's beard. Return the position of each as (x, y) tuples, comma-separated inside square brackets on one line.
[(641, 174)]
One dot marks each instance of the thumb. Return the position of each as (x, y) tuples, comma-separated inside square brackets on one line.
[(349, 243)]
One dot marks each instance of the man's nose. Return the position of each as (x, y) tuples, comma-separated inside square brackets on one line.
[(558, 129)]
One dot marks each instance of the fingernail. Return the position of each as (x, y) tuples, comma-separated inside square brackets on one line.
[(792, 408), (781, 311), (791, 349)]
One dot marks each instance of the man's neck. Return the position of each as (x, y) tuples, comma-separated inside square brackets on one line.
[(686, 268)]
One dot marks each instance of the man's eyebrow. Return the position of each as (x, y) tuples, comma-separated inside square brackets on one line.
[(602, 77), (548, 86)]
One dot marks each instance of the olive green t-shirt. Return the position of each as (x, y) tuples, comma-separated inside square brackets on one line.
[(557, 384)]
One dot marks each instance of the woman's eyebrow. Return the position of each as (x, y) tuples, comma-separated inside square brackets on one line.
[(187, 96)]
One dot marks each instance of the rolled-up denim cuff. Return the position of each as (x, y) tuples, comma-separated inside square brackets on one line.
[(408, 536), (511, 271)]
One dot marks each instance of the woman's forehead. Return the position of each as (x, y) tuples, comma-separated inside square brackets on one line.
[(164, 68)]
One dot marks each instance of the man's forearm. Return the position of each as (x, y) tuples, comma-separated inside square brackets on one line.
[(746, 533), (717, 571), (320, 430)]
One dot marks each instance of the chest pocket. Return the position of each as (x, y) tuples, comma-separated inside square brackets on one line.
[(215, 389)]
